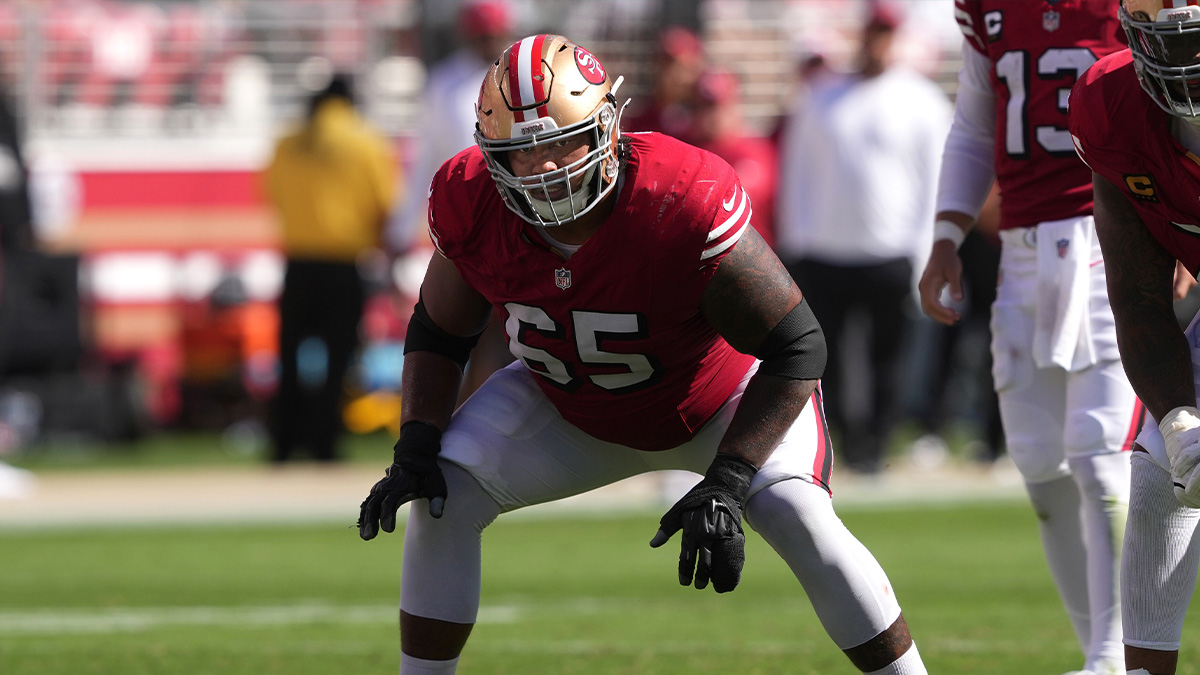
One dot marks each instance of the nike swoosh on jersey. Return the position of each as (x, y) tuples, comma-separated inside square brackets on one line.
[(732, 199)]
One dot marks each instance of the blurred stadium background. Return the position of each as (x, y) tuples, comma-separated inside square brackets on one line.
[(147, 302)]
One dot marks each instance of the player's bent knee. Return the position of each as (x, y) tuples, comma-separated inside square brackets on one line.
[(849, 591), (789, 503), (1102, 475), (1038, 463), (467, 505), (442, 565)]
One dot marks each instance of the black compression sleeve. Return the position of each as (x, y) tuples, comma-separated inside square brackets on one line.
[(426, 336), (795, 347)]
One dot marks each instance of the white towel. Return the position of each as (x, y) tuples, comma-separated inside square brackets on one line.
[(1062, 330)]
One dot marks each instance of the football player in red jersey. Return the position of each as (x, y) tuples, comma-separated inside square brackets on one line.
[(653, 329), (1135, 120), (1068, 411)]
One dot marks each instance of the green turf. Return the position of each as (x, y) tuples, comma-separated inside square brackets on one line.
[(561, 595), (178, 450)]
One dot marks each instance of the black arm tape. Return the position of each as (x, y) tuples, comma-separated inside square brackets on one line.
[(426, 336), (795, 347)]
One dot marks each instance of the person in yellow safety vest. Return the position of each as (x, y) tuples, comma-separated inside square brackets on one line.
[(332, 183)]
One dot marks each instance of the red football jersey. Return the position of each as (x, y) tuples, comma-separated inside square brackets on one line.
[(613, 334), (1124, 136), (1038, 50)]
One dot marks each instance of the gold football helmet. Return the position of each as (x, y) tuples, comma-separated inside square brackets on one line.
[(541, 90), (1164, 38)]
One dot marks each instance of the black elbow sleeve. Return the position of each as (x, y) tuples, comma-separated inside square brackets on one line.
[(426, 336), (795, 347)]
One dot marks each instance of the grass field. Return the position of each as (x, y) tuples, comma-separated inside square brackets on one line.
[(572, 594)]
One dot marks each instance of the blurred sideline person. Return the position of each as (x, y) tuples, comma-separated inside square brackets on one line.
[(634, 292), (16, 239), (809, 68), (678, 62), (856, 195), (1068, 410), (332, 182), (485, 27), (719, 127), (16, 209), (1135, 121)]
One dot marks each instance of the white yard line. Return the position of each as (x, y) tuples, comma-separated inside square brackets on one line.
[(132, 619)]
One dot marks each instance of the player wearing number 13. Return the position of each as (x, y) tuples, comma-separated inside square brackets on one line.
[(653, 330), (1068, 411)]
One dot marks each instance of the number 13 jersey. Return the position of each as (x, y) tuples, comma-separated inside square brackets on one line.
[(1038, 49), (613, 333)]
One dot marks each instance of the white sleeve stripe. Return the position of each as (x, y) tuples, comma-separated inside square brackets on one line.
[(964, 22), (725, 245), (436, 244), (731, 221)]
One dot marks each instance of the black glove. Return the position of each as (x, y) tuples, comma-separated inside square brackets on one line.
[(414, 473), (710, 515)]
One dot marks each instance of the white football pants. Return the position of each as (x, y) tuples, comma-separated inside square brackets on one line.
[(1068, 432), (507, 447)]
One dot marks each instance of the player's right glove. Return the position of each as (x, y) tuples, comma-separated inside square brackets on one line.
[(1181, 433), (710, 515), (414, 473)]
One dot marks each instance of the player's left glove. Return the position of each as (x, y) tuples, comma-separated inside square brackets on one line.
[(1181, 434), (710, 515)]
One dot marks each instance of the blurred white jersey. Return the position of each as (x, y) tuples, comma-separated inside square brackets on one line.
[(448, 126)]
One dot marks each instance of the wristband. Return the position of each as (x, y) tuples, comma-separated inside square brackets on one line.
[(417, 438), (944, 229), (733, 473)]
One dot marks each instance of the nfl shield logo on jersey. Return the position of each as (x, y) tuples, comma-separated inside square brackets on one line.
[(1062, 245), (1051, 20), (562, 278)]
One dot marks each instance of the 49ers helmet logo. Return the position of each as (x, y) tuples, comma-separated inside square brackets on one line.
[(591, 69)]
